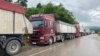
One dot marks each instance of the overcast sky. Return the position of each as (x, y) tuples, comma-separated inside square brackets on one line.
[(87, 12)]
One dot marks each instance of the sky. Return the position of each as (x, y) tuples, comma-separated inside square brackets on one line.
[(87, 12)]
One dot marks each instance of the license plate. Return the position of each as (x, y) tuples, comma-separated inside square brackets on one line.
[(33, 42)]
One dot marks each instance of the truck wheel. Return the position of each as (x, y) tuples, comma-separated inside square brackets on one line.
[(13, 47), (70, 37), (62, 39), (54, 39), (50, 41), (73, 36)]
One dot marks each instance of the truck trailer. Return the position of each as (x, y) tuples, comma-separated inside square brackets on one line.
[(66, 29), (87, 31), (13, 25), (47, 30), (82, 31)]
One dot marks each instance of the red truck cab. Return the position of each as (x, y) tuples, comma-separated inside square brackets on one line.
[(43, 26), (77, 34)]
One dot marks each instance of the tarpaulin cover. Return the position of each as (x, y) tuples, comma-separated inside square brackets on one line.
[(11, 7)]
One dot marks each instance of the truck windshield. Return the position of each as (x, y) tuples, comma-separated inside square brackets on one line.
[(37, 23)]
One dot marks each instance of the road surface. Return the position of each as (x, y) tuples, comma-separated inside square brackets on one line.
[(83, 46)]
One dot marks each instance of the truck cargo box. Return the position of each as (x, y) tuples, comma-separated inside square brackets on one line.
[(82, 29), (87, 30), (12, 19), (65, 27), (13, 25)]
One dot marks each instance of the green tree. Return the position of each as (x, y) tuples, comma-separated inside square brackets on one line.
[(22, 3), (49, 8), (58, 10), (39, 5)]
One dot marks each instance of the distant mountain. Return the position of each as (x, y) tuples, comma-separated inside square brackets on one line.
[(93, 27)]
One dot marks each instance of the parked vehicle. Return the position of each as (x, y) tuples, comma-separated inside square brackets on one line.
[(87, 31), (82, 31), (92, 31), (65, 29), (47, 30), (13, 24)]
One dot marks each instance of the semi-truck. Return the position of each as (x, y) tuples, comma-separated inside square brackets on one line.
[(87, 31), (82, 31), (48, 31), (13, 25)]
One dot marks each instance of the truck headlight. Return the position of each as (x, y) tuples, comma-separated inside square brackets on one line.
[(41, 37)]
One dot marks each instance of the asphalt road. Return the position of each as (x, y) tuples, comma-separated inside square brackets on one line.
[(83, 46)]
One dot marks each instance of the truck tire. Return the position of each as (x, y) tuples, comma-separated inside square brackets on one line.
[(62, 38), (13, 47), (54, 39), (73, 36), (70, 36), (50, 41)]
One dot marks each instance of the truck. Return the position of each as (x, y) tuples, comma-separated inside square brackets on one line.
[(48, 31), (87, 31), (13, 25), (66, 29), (82, 31)]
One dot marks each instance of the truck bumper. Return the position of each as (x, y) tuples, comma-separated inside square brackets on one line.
[(38, 42)]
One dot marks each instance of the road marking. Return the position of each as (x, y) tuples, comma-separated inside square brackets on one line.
[(44, 50)]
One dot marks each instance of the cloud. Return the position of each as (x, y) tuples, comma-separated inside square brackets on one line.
[(33, 3), (87, 12)]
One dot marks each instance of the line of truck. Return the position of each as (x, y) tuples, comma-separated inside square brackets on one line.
[(48, 31), (41, 28)]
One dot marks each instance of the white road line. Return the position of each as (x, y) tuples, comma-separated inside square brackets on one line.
[(44, 50)]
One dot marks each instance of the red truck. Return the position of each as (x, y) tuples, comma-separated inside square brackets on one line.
[(47, 30)]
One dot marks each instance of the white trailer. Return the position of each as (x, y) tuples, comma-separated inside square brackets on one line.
[(66, 29), (8, 26), (13, 24), (87, 31)]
